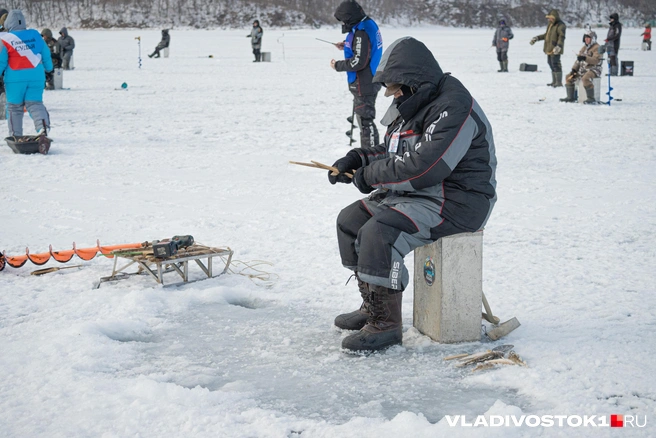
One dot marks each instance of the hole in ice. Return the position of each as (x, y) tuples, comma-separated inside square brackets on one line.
[(246, 302), (126, 331), (243, 300)]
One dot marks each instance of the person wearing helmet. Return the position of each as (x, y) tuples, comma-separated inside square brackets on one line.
[(586, 68), (646, 36), (554, 44), (362, 48), (501, 41), (256, 40), (163, 43), (24, 59), (433, 176)]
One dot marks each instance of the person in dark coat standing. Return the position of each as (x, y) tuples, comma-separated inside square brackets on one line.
[(256, 40), (362, 48), (66, 45), (163, 44), (501, 41), (433, 176), (554, 44), (53, 45), (613, 41)]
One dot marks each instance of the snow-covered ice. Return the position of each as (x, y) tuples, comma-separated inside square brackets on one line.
[(200, 145)]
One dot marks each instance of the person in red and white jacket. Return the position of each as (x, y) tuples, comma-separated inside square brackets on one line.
[(646, 36), (24, 61)]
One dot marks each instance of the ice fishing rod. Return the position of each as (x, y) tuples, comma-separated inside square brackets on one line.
[(54, 269), (317, 165), (283, 46), (334, 44)]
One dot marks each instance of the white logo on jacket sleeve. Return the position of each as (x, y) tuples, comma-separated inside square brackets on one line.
[(431, 128), (356, 52)]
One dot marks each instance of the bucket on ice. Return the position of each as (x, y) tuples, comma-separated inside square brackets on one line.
[(58, 78)]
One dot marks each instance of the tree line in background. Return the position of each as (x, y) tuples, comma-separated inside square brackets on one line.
[(315, 13)]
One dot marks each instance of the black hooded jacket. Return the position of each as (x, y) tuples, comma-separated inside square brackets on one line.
[(350, 13), (614, 32), (445, 148), (165, 41)]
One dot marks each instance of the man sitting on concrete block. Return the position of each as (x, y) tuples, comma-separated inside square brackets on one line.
[(434, 176), (586, 68)]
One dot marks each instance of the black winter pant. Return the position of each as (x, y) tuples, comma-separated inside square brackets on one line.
[(554, 63), (364, 108), (502, 55), (374, 238), (258, 55)]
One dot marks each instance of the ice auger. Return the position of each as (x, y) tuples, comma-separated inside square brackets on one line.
[(66, 255)]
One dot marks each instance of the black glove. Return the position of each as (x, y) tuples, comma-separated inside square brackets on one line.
[(581, 58), (348, 163), (360, 183)]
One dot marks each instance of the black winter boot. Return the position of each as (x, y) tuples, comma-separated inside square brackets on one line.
[(43, 140), (358, 318), (589, 93), (505, 66), (558, 79), (553, 80), (570, 93), (501, 67), (384, 327)]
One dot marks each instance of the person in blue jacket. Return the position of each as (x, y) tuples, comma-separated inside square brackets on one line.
[(24, 61), (363, 49)]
